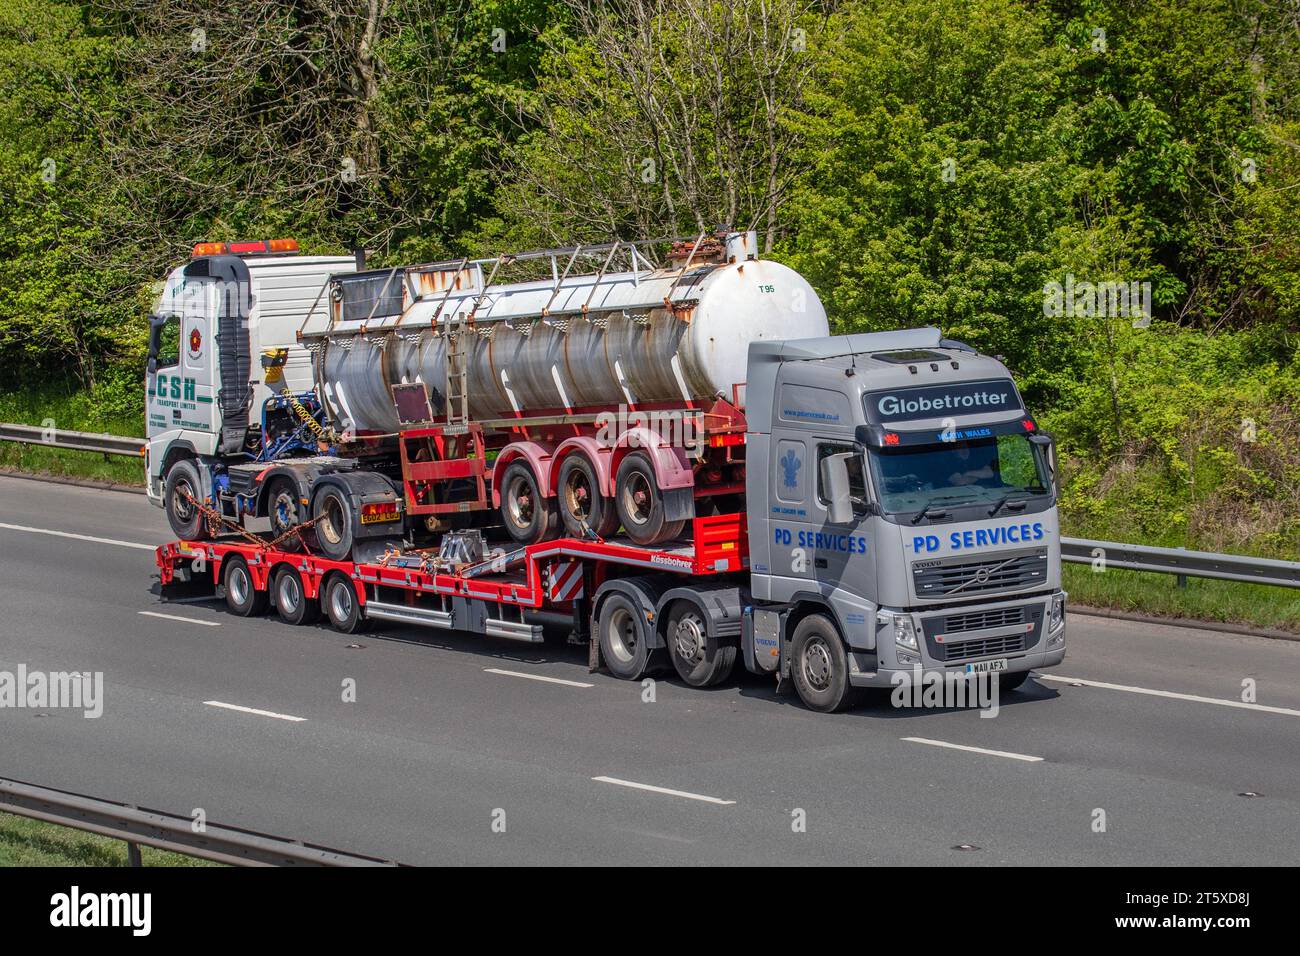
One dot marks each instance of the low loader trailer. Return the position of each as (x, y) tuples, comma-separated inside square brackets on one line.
[(844, 511)]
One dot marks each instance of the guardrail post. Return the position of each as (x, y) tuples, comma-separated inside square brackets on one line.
[(1181, 580), (133, 855)]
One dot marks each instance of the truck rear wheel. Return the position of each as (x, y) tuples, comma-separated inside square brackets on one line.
[(333, 529), (621, 631), (819, 666), (581, 503), (285, 510), (241, 597), (641, 503), (181, 484), (339, 601), (528, 515), (697, 657), (291, 601)]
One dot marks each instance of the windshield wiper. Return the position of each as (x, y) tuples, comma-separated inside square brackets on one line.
[(925, 512), (1005, 500)]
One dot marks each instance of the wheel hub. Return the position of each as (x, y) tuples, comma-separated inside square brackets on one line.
[(817, 664), (689, 640)]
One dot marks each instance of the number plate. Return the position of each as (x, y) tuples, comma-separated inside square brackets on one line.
[(987, 667), (375, 519)]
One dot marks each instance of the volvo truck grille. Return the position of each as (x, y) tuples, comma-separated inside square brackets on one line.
[(987, 647), (940, 578), (982, 620)]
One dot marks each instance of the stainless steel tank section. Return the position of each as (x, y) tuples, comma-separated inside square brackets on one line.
[(533, 348)]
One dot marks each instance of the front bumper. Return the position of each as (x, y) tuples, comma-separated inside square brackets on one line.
[(1021, 633)]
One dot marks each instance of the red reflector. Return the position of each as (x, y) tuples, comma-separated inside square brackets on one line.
[(891, 438), (1029, 425)]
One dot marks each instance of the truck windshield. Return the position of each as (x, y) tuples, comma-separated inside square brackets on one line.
[(953, 473)]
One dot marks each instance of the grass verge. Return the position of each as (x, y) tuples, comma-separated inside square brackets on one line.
[(1203, 599), (71, 412), (27, 842)]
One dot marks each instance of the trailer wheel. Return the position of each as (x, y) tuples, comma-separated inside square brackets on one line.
[(528, 515), (621, 631), (819, 666), (333, 529), (339, 601), (291, 601), (581, 503), (641, 503), (698, 658), (241, 597), (185, 518), (285, 509)]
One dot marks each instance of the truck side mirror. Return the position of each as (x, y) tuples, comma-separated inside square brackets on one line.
[(1048, 445), (835, 483)]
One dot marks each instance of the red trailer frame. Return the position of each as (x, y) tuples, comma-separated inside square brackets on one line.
[(551, 574)]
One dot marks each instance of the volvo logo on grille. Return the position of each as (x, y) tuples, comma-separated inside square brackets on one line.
[(981, 575)]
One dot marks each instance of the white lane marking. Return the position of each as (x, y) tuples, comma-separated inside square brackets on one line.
[(79, 537), (975, 750), (549, 680), (672, 793), (1195, 698), (176, 617), (254, 710)]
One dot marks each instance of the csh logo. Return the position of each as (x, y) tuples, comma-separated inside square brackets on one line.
[(196, 342), (790, 465), (74, 908)]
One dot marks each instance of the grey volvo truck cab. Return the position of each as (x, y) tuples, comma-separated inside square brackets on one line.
[(902, 516)]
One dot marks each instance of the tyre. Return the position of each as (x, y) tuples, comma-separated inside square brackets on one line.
[(698, 658), (241, 597), (582, 508), (819, 666), (332, 507), (187, 521), (285, 510), (1012, 681), (641, 503), (291, 601), (621, 632), (529, 517), (340, 604)]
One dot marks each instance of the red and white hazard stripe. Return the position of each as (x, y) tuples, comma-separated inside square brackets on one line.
[(565, 581)]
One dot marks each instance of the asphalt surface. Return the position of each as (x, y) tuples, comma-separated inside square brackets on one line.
[(438, 749)]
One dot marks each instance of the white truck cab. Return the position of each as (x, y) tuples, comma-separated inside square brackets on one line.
[(216, 317)]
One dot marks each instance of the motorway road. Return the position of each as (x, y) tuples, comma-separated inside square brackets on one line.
[(450, 732)]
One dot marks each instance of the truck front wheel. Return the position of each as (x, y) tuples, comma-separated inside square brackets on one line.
[(697, 657), (182, 484), (819, 666)]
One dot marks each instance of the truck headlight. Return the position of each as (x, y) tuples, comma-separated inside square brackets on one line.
[(905, 633), (1056, 616)]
